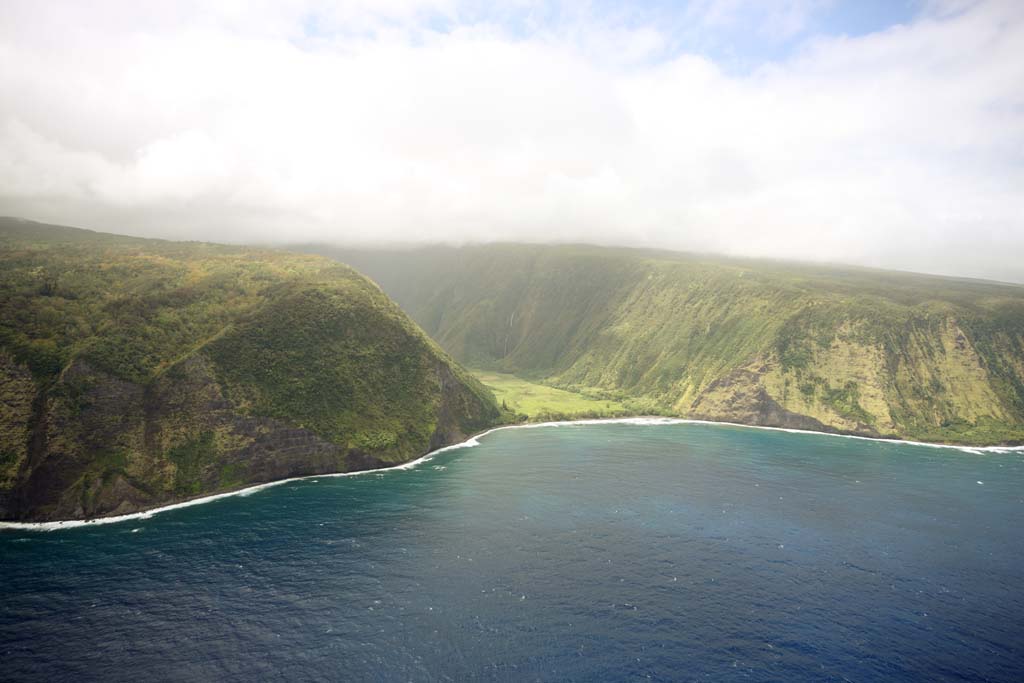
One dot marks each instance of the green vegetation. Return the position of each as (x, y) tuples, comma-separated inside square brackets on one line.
[(843, 349), (533, 401), (137, 372)]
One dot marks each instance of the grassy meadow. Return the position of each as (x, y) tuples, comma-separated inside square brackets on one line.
[(541, 402)]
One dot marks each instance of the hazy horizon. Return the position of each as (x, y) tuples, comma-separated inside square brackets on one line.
[(878, 134), (312, 247)]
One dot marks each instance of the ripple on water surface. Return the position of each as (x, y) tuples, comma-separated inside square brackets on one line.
[(598, 552)]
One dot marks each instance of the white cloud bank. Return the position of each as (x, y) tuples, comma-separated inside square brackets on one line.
[(294, 122)]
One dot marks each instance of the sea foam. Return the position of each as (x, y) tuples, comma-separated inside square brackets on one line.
[(650, 421)]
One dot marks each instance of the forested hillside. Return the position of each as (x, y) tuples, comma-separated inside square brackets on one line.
[(841, 349), (137, 372)]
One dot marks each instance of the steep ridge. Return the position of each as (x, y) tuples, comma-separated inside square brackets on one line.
[(136, 373), (849, 350)]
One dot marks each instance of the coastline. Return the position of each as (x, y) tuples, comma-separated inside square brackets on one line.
[(469, 443)]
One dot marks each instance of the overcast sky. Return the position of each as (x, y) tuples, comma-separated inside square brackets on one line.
[(876, 132)]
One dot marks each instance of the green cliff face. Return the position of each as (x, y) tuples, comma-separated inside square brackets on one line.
[(135, 373), (850, 350)]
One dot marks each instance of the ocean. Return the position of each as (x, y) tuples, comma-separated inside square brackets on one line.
[(597, 552)]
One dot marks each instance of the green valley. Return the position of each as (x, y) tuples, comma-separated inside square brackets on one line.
[(842, 349), (138, 372)]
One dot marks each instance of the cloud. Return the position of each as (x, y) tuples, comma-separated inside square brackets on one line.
[(437, 121)]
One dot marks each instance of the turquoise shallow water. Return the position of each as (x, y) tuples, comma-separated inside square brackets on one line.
[(599, 552)]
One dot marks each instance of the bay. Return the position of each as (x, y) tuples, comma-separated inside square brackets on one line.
[(583, 552)]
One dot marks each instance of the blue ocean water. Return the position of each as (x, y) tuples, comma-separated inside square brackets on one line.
[(591, 553)]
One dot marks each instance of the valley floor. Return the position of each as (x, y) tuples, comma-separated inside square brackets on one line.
[(541, 402)]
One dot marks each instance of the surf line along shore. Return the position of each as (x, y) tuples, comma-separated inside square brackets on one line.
[(469, 443)]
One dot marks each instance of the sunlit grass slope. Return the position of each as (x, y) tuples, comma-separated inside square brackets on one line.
[(843, 349), (541, 402), (136, 372)]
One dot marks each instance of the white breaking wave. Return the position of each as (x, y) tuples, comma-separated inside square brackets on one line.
[(469, 443)]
